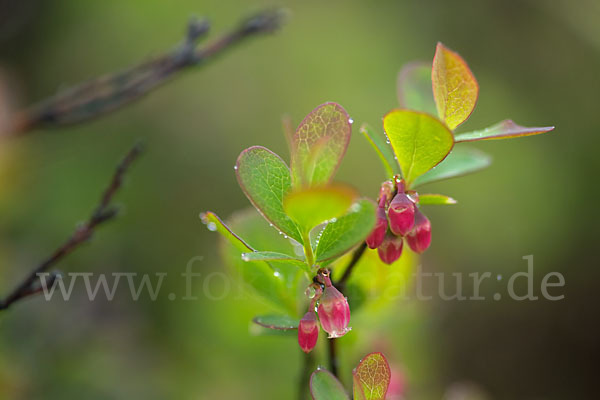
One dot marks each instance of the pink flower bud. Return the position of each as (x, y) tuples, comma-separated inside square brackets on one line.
[(401, 214), (308, 332), (376, 237), (334, 311), (419, 238), (391, 249)]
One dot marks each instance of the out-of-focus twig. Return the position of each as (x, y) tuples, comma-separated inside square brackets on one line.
[(103, 212), (109, 93)]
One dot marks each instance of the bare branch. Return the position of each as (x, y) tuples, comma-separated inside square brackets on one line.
[(104, 212), (112, 92)]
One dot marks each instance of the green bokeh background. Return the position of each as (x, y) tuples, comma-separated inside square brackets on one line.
[(537, 62)]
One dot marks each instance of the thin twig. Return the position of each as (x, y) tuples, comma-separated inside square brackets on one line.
[(109, 93), (341, 283), (84, 232), (341, 286), (332, 356), (304, 381)]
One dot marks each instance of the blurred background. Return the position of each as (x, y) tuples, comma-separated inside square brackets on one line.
[(536, 61)]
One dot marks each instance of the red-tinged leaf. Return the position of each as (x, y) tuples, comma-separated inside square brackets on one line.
[(502, 130), (265, 179), (371, 377), (455, 89), (414, 87), (319, 145)]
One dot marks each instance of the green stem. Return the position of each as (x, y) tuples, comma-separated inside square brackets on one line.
[(308, 253)]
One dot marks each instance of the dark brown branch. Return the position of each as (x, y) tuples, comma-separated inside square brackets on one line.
[(101, 214), (109, 93)]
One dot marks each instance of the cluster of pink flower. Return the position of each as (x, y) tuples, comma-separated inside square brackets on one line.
[(333, 311), (398, 211)]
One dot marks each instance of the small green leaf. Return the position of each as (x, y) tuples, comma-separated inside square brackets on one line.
[(371, 377), (325, 386), (435, 199), (414, 87), (383, 150), (455, 89), (274, 256), (314, 205), (319, 145), (278, 322), (214, 223), (461, 161), (347, 231), (274, 281), (419, 141), (506, 129), (265, 179), (269, 256)]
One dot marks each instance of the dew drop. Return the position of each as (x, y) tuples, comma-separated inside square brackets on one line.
[(276, 274), (414, 197), (350, 121), (235, 167), (310, 292), (285, 236), (211, 226), (245, 257)]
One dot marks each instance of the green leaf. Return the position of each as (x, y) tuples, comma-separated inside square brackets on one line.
[(371, 377), (383, 150), (461, 161), (274, 256), (314, 205), (347, 231), (325, 386), (214, 223), (419, 141), (278, 322), (265, 179), (270, 256), (274, 281), (433, 199), (455, 89), (506, 129), (319, 145), (414, 87)]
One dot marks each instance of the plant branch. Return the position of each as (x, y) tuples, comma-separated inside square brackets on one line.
[(332, 356), (103, 212), (109, 93), (341, 283), (304, 381), (341, 286)]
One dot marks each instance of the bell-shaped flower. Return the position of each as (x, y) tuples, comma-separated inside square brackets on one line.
[(419, 238), (391, 248), (308, 331), (334, 311)]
